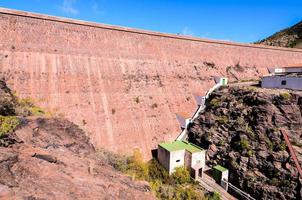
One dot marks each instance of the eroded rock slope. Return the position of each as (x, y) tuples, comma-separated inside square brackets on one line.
[(240, 129)]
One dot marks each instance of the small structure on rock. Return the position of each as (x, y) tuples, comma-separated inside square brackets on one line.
[(221, 176), (284, 77), (182, 154)]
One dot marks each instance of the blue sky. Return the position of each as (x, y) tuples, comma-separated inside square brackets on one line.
[(234, 20)]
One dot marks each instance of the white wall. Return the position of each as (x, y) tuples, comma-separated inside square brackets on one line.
[(275, 82), (199, 157), (174, 156), (225, 175)]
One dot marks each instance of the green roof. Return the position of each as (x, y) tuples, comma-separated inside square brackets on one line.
[(220, 168), (180, 145)]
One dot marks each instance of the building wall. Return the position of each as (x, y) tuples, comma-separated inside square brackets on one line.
[(163, 157), (122, 86), (199, 157), (275, 82), (174, 156)]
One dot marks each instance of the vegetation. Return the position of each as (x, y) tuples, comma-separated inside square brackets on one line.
[(285, 96), (8, 124), (215, 103), (214, 196), (26, 107), (222, 119), (178, 186), (244, 147)]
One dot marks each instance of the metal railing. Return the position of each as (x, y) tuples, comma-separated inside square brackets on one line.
[(238, 191)]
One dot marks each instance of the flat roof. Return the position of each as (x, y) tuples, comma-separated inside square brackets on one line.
[(180, 145), (220, 168)]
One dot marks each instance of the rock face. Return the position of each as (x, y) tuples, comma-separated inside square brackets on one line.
[(289, 37), (122, 86), (240, 130), (51, 158)]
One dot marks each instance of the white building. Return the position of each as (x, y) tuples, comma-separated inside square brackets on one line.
[(182, 154), (284, 78)]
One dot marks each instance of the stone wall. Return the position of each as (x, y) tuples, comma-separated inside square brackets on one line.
[(123, 86)]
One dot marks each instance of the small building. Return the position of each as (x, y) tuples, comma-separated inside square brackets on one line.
[(182, 154), (284, 78), (221, 176)]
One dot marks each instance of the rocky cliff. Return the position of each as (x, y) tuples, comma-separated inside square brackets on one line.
[(52, 158), (240, 129), (289, 37)]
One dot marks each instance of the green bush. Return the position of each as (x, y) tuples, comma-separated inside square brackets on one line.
[(274, 181), (27, 107), (280, 146), (215, 103), (157, 172), (222, 119), (243, 146), (8, 124), (214, 196), (181, 176), (137, 168), (36, 111), (285, 96)]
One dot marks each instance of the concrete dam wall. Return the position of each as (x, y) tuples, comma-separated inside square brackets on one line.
[(123, 86)]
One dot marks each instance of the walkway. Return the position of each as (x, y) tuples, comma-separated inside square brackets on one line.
[(210, 185)]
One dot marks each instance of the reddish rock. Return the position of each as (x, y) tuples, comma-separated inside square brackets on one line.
[(58, 162), (106, 78)]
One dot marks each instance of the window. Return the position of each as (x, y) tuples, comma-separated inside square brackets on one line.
[(283, 82), (177, 160)]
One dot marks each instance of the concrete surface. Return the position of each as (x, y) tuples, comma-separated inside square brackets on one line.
[(123, 86)]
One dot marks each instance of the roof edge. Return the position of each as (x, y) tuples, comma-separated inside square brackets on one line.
[(137, 31)]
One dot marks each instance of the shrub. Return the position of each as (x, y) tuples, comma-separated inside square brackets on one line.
[(274, 181), (136, 166), (222, 119), (280, 146), (243, 146), (285, 96), (37, 111), (157, 172), (8, 124), (113, 111), (214, 196), (27, 107), (181, 176), (250, 153), (215, 103), (187, 193)]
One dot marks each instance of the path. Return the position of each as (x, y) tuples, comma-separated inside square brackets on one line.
[(210, 185)]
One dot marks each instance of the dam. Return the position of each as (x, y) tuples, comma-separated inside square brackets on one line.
[(123, 86)]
